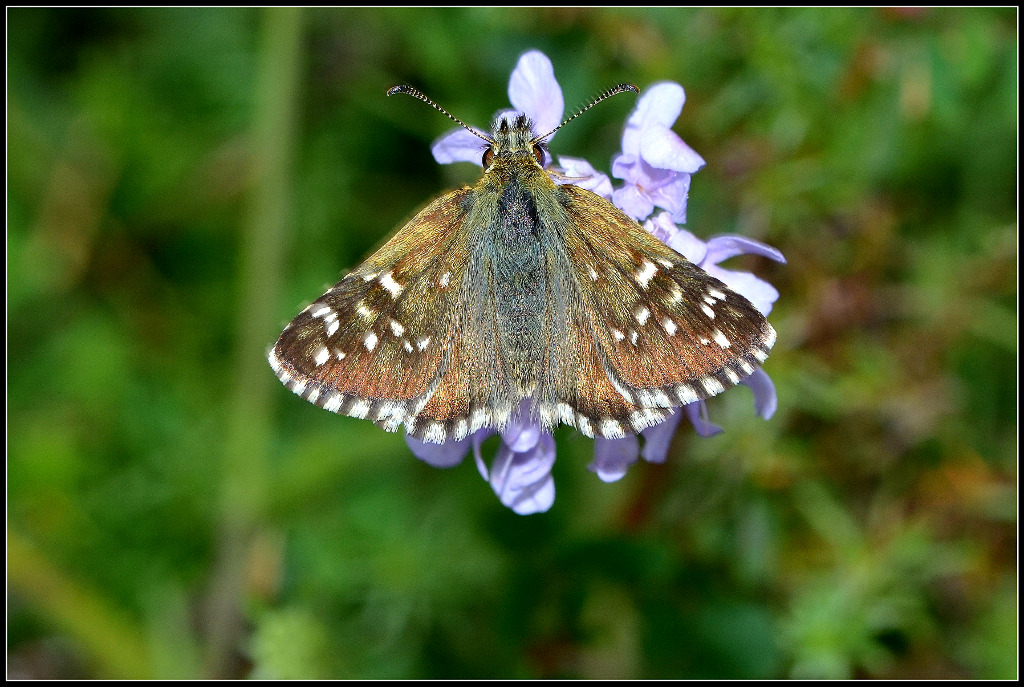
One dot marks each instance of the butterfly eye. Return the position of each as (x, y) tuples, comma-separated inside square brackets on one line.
[(538, 153), (488, 156)]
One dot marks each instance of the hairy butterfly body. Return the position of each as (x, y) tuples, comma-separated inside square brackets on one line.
[(520, 295)]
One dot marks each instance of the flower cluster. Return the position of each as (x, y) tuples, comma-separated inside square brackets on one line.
[(655, 167)]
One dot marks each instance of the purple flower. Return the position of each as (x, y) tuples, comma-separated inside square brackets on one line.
[(656, 166), (718, 249), (655, 163), (521, 471), (532, 90)]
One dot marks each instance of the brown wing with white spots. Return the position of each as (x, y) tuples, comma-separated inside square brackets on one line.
[(668, 333), (375, 345)]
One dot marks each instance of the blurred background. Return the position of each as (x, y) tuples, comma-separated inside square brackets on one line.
[(182, 182)]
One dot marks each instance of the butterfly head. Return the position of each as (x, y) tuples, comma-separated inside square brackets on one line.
[(513, 141)]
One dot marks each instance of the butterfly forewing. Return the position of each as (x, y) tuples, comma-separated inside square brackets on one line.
[(669, 333), (375, 345)]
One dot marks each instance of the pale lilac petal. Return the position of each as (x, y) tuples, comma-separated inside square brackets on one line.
[(661, 227), (523, 481), (481, 466), (686, 244), (698, 414), (625, 167), (722, 248), (585, 176), (612, 457), (521, 436), (439, 455), (765, 400), (662, 148), (658, 438), (659, 105), (630, 200), (759, 292), (672, 196), (458, 145), (534, 91)]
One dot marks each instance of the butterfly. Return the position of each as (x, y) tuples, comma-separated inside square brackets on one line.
[(520, 295)]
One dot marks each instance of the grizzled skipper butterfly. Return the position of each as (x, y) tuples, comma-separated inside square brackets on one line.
[(519, 289)]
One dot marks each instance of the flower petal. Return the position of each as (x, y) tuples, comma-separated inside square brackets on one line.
[(521, 435), (662, 148), (458, 145), (688, 245), (662, 227), (658, 438), (632, 201), (612, 457), (765, 400), (722, 248), (659, 104), (626, 167), (523, 481), (534, 91), (439, 455), (586, 176), (672, 196), (698, 414)]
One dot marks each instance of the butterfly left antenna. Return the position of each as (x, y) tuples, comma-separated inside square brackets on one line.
[(614, 90), (409, 90)]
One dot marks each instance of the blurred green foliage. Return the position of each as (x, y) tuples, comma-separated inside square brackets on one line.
[(182, 181)]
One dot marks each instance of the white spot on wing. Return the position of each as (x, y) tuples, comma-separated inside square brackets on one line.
[(721, 340), (320, 312), (370, 341), (641, 315), (392, 286), (360, 408), (583, 422), (670, 326), (435, 433), (443, 281), (646, 273), (397, 328), (593, 273), (686, 394), (715, 293), (477, 419), (611, 428), (339, 354), (707, 310), (423, 343), (633, 337), (321, 356), (619, 336), (712, 385), (331, 327)]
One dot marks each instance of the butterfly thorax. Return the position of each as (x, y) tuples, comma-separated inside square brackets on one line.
[(513, 220)]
